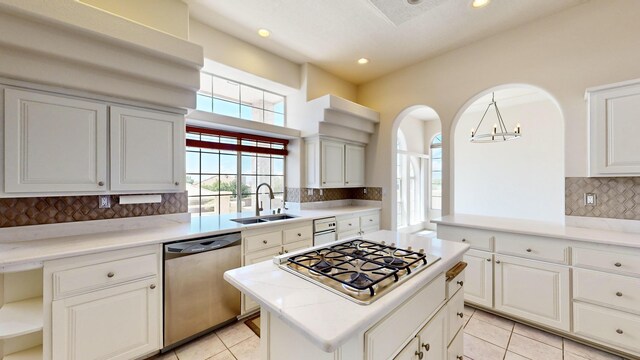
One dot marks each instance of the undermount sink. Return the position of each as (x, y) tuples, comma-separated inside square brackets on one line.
[(263, 219)]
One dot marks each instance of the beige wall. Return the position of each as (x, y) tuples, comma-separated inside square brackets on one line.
[(320, 83), (413, 130), (591, 44), (170, 16)]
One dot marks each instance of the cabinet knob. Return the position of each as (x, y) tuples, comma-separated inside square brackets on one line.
[(459, 357), (464, 240), (324, 182), (346, 182), (489, 260), (100, 183), (617, 264), (461, 315), (497, 261), (419, 354), (528, 250), (427, 347), (461, 283), (370, 220), (618, 293), (176, 183), (264, 242), (619, 331), (350, 224), (286, 251), (153, 286), (111, 274), (299, 234)]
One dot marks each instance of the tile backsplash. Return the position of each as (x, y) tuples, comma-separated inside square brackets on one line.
[(301, 195), (616, 197), (52, 210)]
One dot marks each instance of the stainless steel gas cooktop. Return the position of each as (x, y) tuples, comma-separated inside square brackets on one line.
[(359, 270)]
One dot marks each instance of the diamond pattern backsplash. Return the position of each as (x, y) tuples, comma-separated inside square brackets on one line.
[(52, 210), (302, 194), (617, 198)]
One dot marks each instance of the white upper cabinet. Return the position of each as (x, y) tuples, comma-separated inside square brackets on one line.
[(53, 143), (334, 164), (147, 150), (614, 111), (354, 165)]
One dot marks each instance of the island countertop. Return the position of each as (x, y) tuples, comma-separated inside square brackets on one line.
[(326, 319)]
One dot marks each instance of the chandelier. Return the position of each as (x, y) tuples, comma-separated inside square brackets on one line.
[(499, 132)]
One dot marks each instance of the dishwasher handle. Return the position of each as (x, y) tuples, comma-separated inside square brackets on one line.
[(191, 247)]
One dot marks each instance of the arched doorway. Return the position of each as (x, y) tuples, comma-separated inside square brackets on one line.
[(522, 178), (414, 129)]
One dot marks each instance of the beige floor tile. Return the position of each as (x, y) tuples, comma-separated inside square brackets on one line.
[(514, 356), (485, 331), (587, 352), (533, 349), (168, 356), (468, 310), (225, 355), (571, 356), (466, 320), (235, 333), (539, 335), (493, 319), (479, 349), (248, 349), (201, 349)]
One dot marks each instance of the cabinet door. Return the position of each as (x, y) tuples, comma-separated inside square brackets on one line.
[(478, 285), (533, 290), (409, 352), (312, 155), (147, 150), (614, 128), (332, 164), (354, 165), (432, 338), (54, 144), (248, 304), (123, 322)]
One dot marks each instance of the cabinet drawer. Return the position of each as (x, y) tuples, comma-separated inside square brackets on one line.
[(455, 315), (297, 246), (456, 348), (263, 241), (617, 291), (455, 284), (93, 277), (477, 239), (298, 234), (620, 262), (349, 224), (533, 247), (347, 234), (370, 220), (387, 337), (610, 327)]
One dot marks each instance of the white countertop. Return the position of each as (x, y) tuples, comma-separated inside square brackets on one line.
[(31, 253), (328, 320), (538, 228)]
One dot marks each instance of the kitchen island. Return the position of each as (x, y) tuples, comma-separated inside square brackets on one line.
[(300, 319)]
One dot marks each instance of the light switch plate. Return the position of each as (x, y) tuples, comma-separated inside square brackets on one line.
[(104, 201), (590, 199)]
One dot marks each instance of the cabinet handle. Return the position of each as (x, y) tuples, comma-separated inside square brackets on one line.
[(153, 286), (286, 251), (324, 182), (619, 331), (461, 283), (427, 347), (497, 261), (279, 252), (111, 274), (176, 183), (459, 357), (350, 224), (346, 182), (464, 240), (461, 315), (489, 260), (419, 354), (618, 293), (264, 242), (299, 234), (617, 264), (100, 183), (528, 250), (370, 220)]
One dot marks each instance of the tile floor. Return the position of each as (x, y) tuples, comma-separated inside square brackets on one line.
[(486, 337)]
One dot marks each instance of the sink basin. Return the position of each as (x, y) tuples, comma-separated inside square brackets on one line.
[(263, 219)]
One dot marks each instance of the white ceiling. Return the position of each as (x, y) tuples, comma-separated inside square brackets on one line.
[(333, 34)]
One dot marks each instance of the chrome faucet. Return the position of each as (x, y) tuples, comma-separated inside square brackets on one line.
[(259, 207)]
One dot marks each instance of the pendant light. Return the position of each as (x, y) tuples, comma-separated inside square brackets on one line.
[(499, 131)]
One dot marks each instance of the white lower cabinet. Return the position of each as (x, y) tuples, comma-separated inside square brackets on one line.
[(248, 305), (455, 351), (432, 344), (115, 323), (410, 351), (478, 288), (608, 326), (533, 290)]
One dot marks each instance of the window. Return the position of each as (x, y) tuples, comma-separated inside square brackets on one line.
[(224, 169), (436, 172), (409, 185), (231, 98)]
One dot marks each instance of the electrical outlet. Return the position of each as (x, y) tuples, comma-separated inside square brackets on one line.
[(310, 192), (321, 192), (590, 199), (364, 190), (104, 201)]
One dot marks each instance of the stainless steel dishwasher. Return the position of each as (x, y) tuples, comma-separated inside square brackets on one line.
[(196, 297)]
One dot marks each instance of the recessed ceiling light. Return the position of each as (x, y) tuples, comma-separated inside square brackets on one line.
[(480, 3), (264, 33), (363, 61), (414, 2)]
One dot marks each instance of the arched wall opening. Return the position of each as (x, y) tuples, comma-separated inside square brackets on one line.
[(411, 195), (521, 178)]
